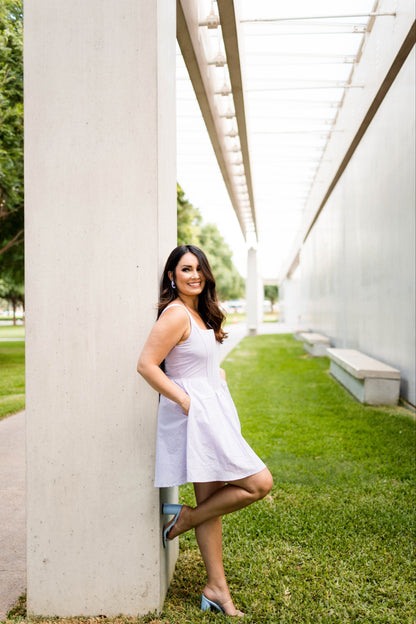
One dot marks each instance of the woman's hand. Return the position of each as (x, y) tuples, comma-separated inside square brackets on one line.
[(222, 374), (186, 404)]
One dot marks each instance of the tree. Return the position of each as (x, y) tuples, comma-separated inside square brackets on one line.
[(11, 140), (271, 292), (189, 219)]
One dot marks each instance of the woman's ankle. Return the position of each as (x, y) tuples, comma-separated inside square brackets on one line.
[(217, 590), (220, 594)]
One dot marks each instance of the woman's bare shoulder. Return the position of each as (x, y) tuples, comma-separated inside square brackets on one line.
[(175, 314), (174, 323)]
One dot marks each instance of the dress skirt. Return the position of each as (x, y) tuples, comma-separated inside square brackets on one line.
[(205, 445)]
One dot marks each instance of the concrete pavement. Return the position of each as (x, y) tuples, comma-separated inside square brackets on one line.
[(12, 511)]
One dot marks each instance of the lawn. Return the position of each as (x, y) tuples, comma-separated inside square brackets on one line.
[(12, 377), (12, 331), (334, 541), (234, 317)]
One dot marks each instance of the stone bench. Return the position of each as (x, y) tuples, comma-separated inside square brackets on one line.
[(369, 380), (298, 333), (315, 344)]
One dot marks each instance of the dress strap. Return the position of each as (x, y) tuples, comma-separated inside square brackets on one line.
[(177, 305)]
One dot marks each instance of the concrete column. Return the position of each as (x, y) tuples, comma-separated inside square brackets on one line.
[(100, 220), (254, 294)]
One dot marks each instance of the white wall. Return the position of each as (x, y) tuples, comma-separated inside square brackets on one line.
[(100, 220), (358, 263)]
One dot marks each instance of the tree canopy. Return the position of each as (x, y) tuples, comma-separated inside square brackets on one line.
[(271, 292), (11, 141), (189, 219)]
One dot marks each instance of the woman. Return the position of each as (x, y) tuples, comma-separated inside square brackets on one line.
[(199, 438)]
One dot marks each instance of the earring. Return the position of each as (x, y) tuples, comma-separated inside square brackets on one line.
[(173, 284)]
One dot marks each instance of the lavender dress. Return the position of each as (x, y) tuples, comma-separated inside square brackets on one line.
[(206, 445)]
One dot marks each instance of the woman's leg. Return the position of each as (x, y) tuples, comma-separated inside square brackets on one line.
[(231, 497), (209, 538)]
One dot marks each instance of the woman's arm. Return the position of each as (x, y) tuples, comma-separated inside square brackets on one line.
[(171, 328)]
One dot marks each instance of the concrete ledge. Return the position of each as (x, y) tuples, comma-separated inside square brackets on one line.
[(315, 344), (362, 366), (369, 380)]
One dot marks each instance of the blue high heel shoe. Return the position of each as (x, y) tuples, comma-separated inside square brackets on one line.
[(210, 605), (169, 509)]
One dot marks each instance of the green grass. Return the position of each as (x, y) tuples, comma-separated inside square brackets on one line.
[(334, 541), (12, 378), (234, 317), (6, 317), (12, 331)]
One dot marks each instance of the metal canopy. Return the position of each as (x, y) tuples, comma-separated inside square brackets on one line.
[(277, 75)]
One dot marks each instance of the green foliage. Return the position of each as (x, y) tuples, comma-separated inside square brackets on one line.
[(189, 219), (11, 139), (271, 292), (18, 612), (191, 231)]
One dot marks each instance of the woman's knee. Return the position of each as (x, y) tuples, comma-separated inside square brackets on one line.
[(257, 486), (265, 483)]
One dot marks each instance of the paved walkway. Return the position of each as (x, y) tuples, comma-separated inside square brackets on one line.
[(12, 339), (12, 487), (12, 511)]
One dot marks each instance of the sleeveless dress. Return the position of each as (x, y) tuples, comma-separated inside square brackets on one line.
[(206, 445)]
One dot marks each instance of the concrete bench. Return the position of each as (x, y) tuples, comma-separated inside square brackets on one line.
[(369, 380), (298, 333), (315, 344)]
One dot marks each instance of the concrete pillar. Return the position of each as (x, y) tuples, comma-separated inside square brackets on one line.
[(100, 221), (254, 294)]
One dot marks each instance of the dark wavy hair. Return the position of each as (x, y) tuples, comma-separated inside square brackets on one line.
[(208, 306)]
